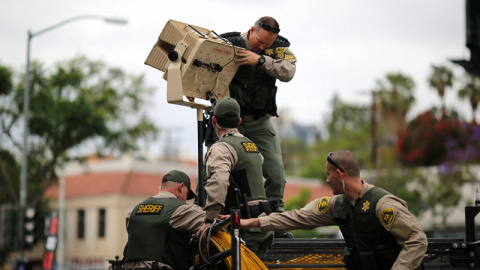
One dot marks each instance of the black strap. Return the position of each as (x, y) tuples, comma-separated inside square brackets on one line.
[(235, 38)]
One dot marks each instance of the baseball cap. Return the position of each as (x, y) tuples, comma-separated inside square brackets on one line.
[(226, 108), (179, 177)]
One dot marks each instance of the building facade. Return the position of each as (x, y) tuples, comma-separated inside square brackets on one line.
[(99, 194)]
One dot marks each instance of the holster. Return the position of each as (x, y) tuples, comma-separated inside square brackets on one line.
[(262, 207)]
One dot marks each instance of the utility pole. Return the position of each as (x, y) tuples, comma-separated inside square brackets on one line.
[(26, 110), (373, 156)]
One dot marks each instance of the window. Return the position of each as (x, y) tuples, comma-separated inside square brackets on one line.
[(81, 224), (101, 223)]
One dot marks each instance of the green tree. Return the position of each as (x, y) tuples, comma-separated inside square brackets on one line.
[(6, 84), (471, 92), (405, 183), (348, 128), (79, 103), (394, 97), (441, 78), (300, 201)]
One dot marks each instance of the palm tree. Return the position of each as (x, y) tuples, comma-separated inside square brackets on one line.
[(440, 79), (471, 91), (395, 97)]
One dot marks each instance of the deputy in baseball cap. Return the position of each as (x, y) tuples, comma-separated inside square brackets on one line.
[(227, 112), (179, 177)]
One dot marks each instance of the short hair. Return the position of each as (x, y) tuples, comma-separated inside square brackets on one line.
[(228, 121), (170, 184), (267, 20), (347, 160)]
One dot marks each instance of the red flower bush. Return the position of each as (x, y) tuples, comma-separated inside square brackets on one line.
[(424, 141)]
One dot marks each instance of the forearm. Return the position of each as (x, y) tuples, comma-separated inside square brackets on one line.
[(216, 190), (281, 69), (413, 251), (249, 223), (295, 219), (219, 162)]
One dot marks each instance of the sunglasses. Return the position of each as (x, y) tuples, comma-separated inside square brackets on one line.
[(329, 159), (268, 28)]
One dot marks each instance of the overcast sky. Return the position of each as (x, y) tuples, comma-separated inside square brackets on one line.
[(342, 46)]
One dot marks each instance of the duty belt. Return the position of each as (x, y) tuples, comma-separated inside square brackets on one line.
[(262, 207)]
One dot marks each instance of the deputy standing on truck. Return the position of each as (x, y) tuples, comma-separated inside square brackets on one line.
[(265, 59), (379, 231)]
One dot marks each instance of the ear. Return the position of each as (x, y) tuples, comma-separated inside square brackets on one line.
[(239, 121), (214, 120), (179, 187)]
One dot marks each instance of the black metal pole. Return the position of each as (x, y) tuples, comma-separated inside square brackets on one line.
[(235, 233), (470, 214), (201, 185)]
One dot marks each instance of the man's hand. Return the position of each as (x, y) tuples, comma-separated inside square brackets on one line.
[(244, 57), (203, 228)]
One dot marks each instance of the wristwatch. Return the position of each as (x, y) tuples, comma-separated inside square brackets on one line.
[(261, 60)]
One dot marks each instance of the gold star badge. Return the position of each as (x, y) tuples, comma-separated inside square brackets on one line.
[(366, 206)]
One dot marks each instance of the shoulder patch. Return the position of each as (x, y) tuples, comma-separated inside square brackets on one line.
[(289, 56), (387, 217), (250, 147), (280, 50), (149, 209), (323, 205)]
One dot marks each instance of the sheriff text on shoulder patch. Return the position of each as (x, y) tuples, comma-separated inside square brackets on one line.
[(250, 147), (387, 217), (149, 209), (323, 205)]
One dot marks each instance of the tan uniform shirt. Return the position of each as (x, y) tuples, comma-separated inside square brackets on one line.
[(405, 229), (187, 217), (220, 160), (281, 66)]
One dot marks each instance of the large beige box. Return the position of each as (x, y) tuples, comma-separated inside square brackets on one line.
[(207, 66)]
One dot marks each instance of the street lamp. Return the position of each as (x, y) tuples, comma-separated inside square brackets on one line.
[(26, 98)]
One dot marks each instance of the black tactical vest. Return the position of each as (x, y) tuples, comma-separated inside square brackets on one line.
[(369, 245), (251, 86), (150, 236), (247, 173)]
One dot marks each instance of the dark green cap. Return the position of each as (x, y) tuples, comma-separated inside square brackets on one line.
[(226, 108), (179, 177)]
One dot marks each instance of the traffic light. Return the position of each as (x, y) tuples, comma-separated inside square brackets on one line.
[(9, 225), (29, 230)]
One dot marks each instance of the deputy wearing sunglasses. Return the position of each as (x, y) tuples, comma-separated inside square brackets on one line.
[(379, 230), (265, 59)]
